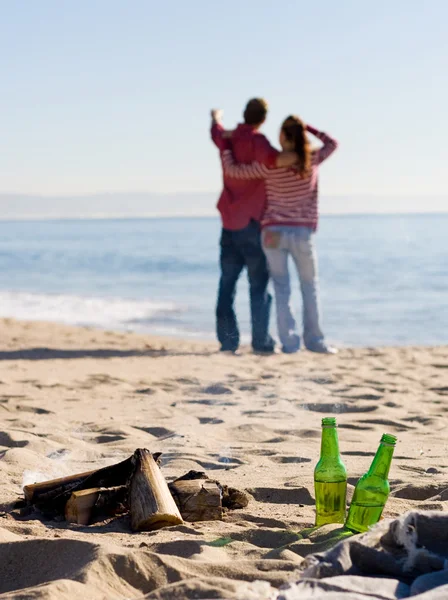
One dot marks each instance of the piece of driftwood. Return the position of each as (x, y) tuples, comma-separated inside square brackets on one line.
[(151, 504), (197, 499), (36, 490), (53, 495), (231, 498), (85, 505)]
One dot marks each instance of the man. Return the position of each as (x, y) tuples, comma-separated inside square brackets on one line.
[(241, 205)]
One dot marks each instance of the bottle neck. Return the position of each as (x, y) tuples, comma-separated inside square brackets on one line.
[(329, 446), (381, 463)]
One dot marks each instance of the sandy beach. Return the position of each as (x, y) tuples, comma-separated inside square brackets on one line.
[(74, 399)]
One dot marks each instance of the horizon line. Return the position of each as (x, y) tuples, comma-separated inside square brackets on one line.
[(62, 195), (146, 216)]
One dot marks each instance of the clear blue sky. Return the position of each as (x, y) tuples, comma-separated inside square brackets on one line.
[(108, 95)]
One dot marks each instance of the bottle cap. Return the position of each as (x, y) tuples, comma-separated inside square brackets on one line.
[(387, 438), (329, 422)]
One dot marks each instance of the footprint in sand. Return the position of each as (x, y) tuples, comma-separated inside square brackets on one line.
[(420, 492), (252, 433), (323, 407), (192, 462), (357, 453), (322, 380), (182, 548), (389, 423), (188, 380), (306, 433), (248, 387), (238, 515), (362, 396), (34, 410), (286, 460), (8, 442), (103, 378), (300, 495), (266, 538), (108, 438), (442, 391), (264, 414), (158, 432), (166, 386), (217, 389), (261, 452), (43, 386), (210, 402), (355, 426), (422, 420), (19, 424)]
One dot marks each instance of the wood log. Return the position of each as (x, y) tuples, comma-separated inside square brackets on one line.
[(150, 501), (84, 505), (197, 499), (35, 490), (231, 498), (53, 495)]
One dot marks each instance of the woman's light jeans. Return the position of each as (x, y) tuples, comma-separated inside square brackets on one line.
[(280, 242)]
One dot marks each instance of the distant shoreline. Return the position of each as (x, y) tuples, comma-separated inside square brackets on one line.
[(166, 217)]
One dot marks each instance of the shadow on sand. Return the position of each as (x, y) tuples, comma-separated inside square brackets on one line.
[(60, 354)]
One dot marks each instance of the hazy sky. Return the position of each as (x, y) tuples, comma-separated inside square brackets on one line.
[(108, 95)]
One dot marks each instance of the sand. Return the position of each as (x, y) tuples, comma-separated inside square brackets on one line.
[(73, 399)]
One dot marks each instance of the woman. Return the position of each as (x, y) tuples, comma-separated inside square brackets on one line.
[(289, 224)]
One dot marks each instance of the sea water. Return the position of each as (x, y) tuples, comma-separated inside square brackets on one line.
[(383, 279)]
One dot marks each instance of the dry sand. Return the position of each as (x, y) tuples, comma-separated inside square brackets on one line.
[(73, 399)]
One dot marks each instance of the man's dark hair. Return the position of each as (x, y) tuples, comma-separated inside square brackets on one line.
[(255, 111)]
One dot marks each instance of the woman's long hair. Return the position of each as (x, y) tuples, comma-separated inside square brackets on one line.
[(295, 132)]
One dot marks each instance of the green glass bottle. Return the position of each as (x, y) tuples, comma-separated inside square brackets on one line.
[(372, 490), (330, 478)]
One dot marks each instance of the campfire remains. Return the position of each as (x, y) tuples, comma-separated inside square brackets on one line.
[(138, 487)]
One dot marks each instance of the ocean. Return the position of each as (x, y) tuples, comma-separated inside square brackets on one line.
[(383, 279)]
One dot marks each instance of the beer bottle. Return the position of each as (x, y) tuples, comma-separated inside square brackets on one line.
[(372, 490), (330, 477)]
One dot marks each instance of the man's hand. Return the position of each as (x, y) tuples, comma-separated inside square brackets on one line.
[(216, 115)]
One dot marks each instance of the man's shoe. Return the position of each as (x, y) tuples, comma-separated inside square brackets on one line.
[(266, 351), (322, 348), (229, 350)]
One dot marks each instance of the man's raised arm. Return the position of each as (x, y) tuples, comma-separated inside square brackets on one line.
[(218, 133)]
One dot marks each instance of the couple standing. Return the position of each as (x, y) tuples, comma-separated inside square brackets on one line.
[(269, 210)]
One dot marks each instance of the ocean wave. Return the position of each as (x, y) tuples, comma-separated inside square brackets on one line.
[(117, 313)]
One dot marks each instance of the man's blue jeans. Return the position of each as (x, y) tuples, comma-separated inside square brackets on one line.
[(280, 242), (241, 249)]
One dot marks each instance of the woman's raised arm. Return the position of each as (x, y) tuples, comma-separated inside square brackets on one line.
[(329, 144)]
